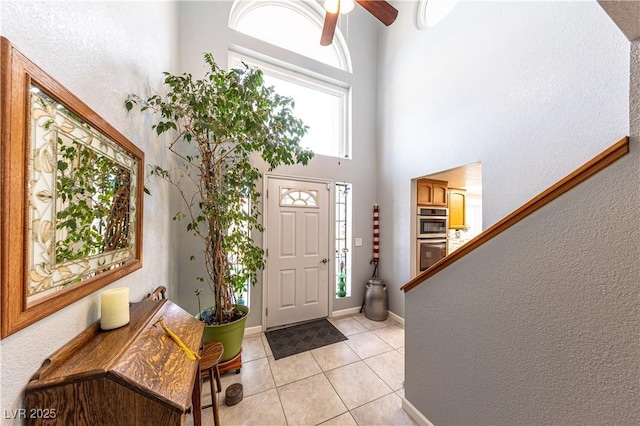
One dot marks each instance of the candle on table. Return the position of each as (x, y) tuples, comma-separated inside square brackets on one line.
[(114, 308)]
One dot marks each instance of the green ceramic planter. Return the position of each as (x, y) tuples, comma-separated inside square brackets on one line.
[(230, 335)]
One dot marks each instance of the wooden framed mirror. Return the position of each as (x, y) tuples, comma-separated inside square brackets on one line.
[(71, 192)]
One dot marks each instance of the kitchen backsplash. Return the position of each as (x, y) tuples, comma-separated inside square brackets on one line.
[(458, 238)]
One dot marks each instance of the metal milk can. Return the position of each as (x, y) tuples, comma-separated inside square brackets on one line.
[(376, 300)]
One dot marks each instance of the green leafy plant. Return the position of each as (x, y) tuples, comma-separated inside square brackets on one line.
[(93, 197), (221, 122)]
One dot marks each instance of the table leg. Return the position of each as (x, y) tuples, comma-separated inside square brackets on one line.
[(196, 400), (214, 396)]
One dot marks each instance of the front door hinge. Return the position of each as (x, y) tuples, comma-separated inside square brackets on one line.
[(266, 312)]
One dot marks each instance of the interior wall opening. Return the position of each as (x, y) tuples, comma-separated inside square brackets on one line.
[(447, 207)]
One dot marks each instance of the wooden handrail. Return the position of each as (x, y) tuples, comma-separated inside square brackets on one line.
[(593, 166)]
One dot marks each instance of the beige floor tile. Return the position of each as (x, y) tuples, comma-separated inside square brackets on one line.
[(189, 421), (307, 396), (367, 344), (345, 419), (334, 356), (310, 401), (294, 367), (255, 377), (389, 366), (265, 343), (348, 325), (253, 348), (385, 411), (261, 409), (372, 325), (357, 384), (393, 335)]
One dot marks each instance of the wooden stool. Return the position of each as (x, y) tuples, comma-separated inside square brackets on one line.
[(209, 359)]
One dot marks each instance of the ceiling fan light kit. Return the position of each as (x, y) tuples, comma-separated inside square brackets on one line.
[(381, 9), (342, 6)]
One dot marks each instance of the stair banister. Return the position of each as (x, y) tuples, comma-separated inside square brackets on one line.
[(590, 168)]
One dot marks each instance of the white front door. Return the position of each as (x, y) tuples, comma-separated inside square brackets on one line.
[(297, 229)]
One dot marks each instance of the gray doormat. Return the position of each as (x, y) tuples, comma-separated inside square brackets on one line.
[(302, 337)]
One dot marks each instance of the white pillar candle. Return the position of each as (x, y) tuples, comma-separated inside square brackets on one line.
[(114, 308)]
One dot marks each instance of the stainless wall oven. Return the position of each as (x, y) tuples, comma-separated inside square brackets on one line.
[(430, 250), (433, 222)]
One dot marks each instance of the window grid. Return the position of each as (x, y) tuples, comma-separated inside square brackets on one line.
[(298, 197)]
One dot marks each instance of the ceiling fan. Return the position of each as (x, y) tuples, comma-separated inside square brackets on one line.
[(378, 8)]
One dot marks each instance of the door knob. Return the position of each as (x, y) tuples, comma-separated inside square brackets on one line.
[(325, 260)]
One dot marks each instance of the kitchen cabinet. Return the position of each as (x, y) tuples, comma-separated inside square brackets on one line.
[(432, 192), (457, 209)]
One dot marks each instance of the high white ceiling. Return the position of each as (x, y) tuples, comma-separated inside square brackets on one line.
[(467, 177)]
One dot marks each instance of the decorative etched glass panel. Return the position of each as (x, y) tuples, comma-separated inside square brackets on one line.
[(298, 197), (83, 200), (343, 239)]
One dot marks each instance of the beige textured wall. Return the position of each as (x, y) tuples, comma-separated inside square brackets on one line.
[(530, 89), (203, 28), (100, 51), (540, 325)]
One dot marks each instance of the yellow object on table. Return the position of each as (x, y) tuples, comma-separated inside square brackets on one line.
[(190, 354)]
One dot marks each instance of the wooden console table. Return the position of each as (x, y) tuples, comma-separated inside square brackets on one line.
[(134, 375)]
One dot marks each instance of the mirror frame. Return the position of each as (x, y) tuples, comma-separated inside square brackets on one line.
[(17, 74)]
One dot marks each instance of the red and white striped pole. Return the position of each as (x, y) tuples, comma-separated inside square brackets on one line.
[(376, 238)]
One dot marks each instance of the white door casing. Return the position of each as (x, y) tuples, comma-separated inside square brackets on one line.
[(297, 243)]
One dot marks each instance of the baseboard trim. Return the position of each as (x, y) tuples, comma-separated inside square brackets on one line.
[(396, 318), (414, 413), (344, 312), (341, 313), (248, 331)]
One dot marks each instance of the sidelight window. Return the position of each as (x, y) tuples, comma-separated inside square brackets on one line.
[(343, 238)]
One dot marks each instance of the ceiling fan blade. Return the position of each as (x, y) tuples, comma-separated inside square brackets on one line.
[(329, 27), (380, 9)]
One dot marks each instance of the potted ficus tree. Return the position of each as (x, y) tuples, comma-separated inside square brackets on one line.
[(219, 124)]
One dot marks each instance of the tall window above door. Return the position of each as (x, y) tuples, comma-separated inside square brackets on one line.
[(282, 38)]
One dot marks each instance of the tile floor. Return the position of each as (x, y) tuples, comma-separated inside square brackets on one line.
[(355, 382)]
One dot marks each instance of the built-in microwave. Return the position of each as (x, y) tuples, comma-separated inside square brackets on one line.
[(432, 222)]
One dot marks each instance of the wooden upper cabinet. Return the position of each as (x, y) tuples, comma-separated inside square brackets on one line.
[(432, 192), (457, 209), (425, 192), (440, 192)]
